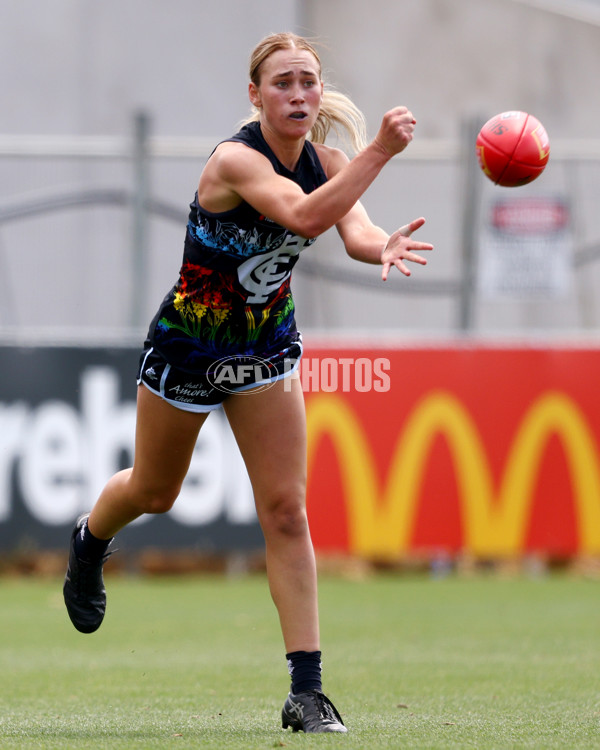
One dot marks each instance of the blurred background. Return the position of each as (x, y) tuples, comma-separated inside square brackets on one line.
[(110, 111), (75, 258)]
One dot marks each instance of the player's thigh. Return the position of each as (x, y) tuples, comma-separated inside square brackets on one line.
[(164, 442), (270, 429)]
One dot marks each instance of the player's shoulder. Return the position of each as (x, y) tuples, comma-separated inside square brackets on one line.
[(332, 159), (228, 151), (232, 158)]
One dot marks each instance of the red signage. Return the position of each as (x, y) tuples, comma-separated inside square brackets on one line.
[(483, 450)]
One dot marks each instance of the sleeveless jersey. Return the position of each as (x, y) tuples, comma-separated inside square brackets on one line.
[(233, 295)]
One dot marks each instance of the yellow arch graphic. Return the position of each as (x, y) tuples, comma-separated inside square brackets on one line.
[(381, 520)]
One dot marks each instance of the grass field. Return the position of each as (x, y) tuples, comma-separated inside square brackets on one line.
[(410, 662)]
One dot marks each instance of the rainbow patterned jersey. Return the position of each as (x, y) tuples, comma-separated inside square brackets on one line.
[(233, 295)]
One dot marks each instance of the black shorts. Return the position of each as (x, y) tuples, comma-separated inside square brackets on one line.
[(206, 391)]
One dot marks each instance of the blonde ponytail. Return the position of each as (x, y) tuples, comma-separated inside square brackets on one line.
[(338, 112)]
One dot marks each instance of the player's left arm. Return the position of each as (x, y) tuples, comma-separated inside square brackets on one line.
[(368, 243)]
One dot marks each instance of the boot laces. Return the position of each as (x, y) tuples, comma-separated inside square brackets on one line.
[(326, 708)]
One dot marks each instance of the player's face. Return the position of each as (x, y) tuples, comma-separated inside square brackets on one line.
[(290, 92)]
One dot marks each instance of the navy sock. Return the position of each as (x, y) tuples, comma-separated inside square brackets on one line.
[(305, 670), (88, 547)]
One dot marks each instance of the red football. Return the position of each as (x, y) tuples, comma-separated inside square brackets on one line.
[(513, 148)]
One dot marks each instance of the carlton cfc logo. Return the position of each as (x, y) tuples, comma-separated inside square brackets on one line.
[(263, 274)]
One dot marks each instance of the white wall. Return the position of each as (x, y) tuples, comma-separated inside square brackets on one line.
[(451, 61), (84, 67)]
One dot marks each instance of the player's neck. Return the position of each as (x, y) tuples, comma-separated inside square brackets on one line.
[(287, 150)]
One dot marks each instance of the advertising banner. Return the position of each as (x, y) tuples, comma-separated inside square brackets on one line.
[(493, 452), (486, 450), (67, 424)]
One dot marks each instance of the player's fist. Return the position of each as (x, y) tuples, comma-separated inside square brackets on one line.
[(396, 130)]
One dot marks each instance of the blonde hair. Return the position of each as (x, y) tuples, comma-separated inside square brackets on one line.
[(337, 113)]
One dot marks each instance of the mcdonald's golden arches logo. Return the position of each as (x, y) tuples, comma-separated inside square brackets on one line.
[(381, 511)]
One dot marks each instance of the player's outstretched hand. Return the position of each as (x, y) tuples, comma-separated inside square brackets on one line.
[(401, 247), (396, 130)]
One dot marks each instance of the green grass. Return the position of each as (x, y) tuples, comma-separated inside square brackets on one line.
[(410, 662)]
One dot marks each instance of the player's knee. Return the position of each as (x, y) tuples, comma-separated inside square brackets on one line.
[(285, 515), (158, 501)]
